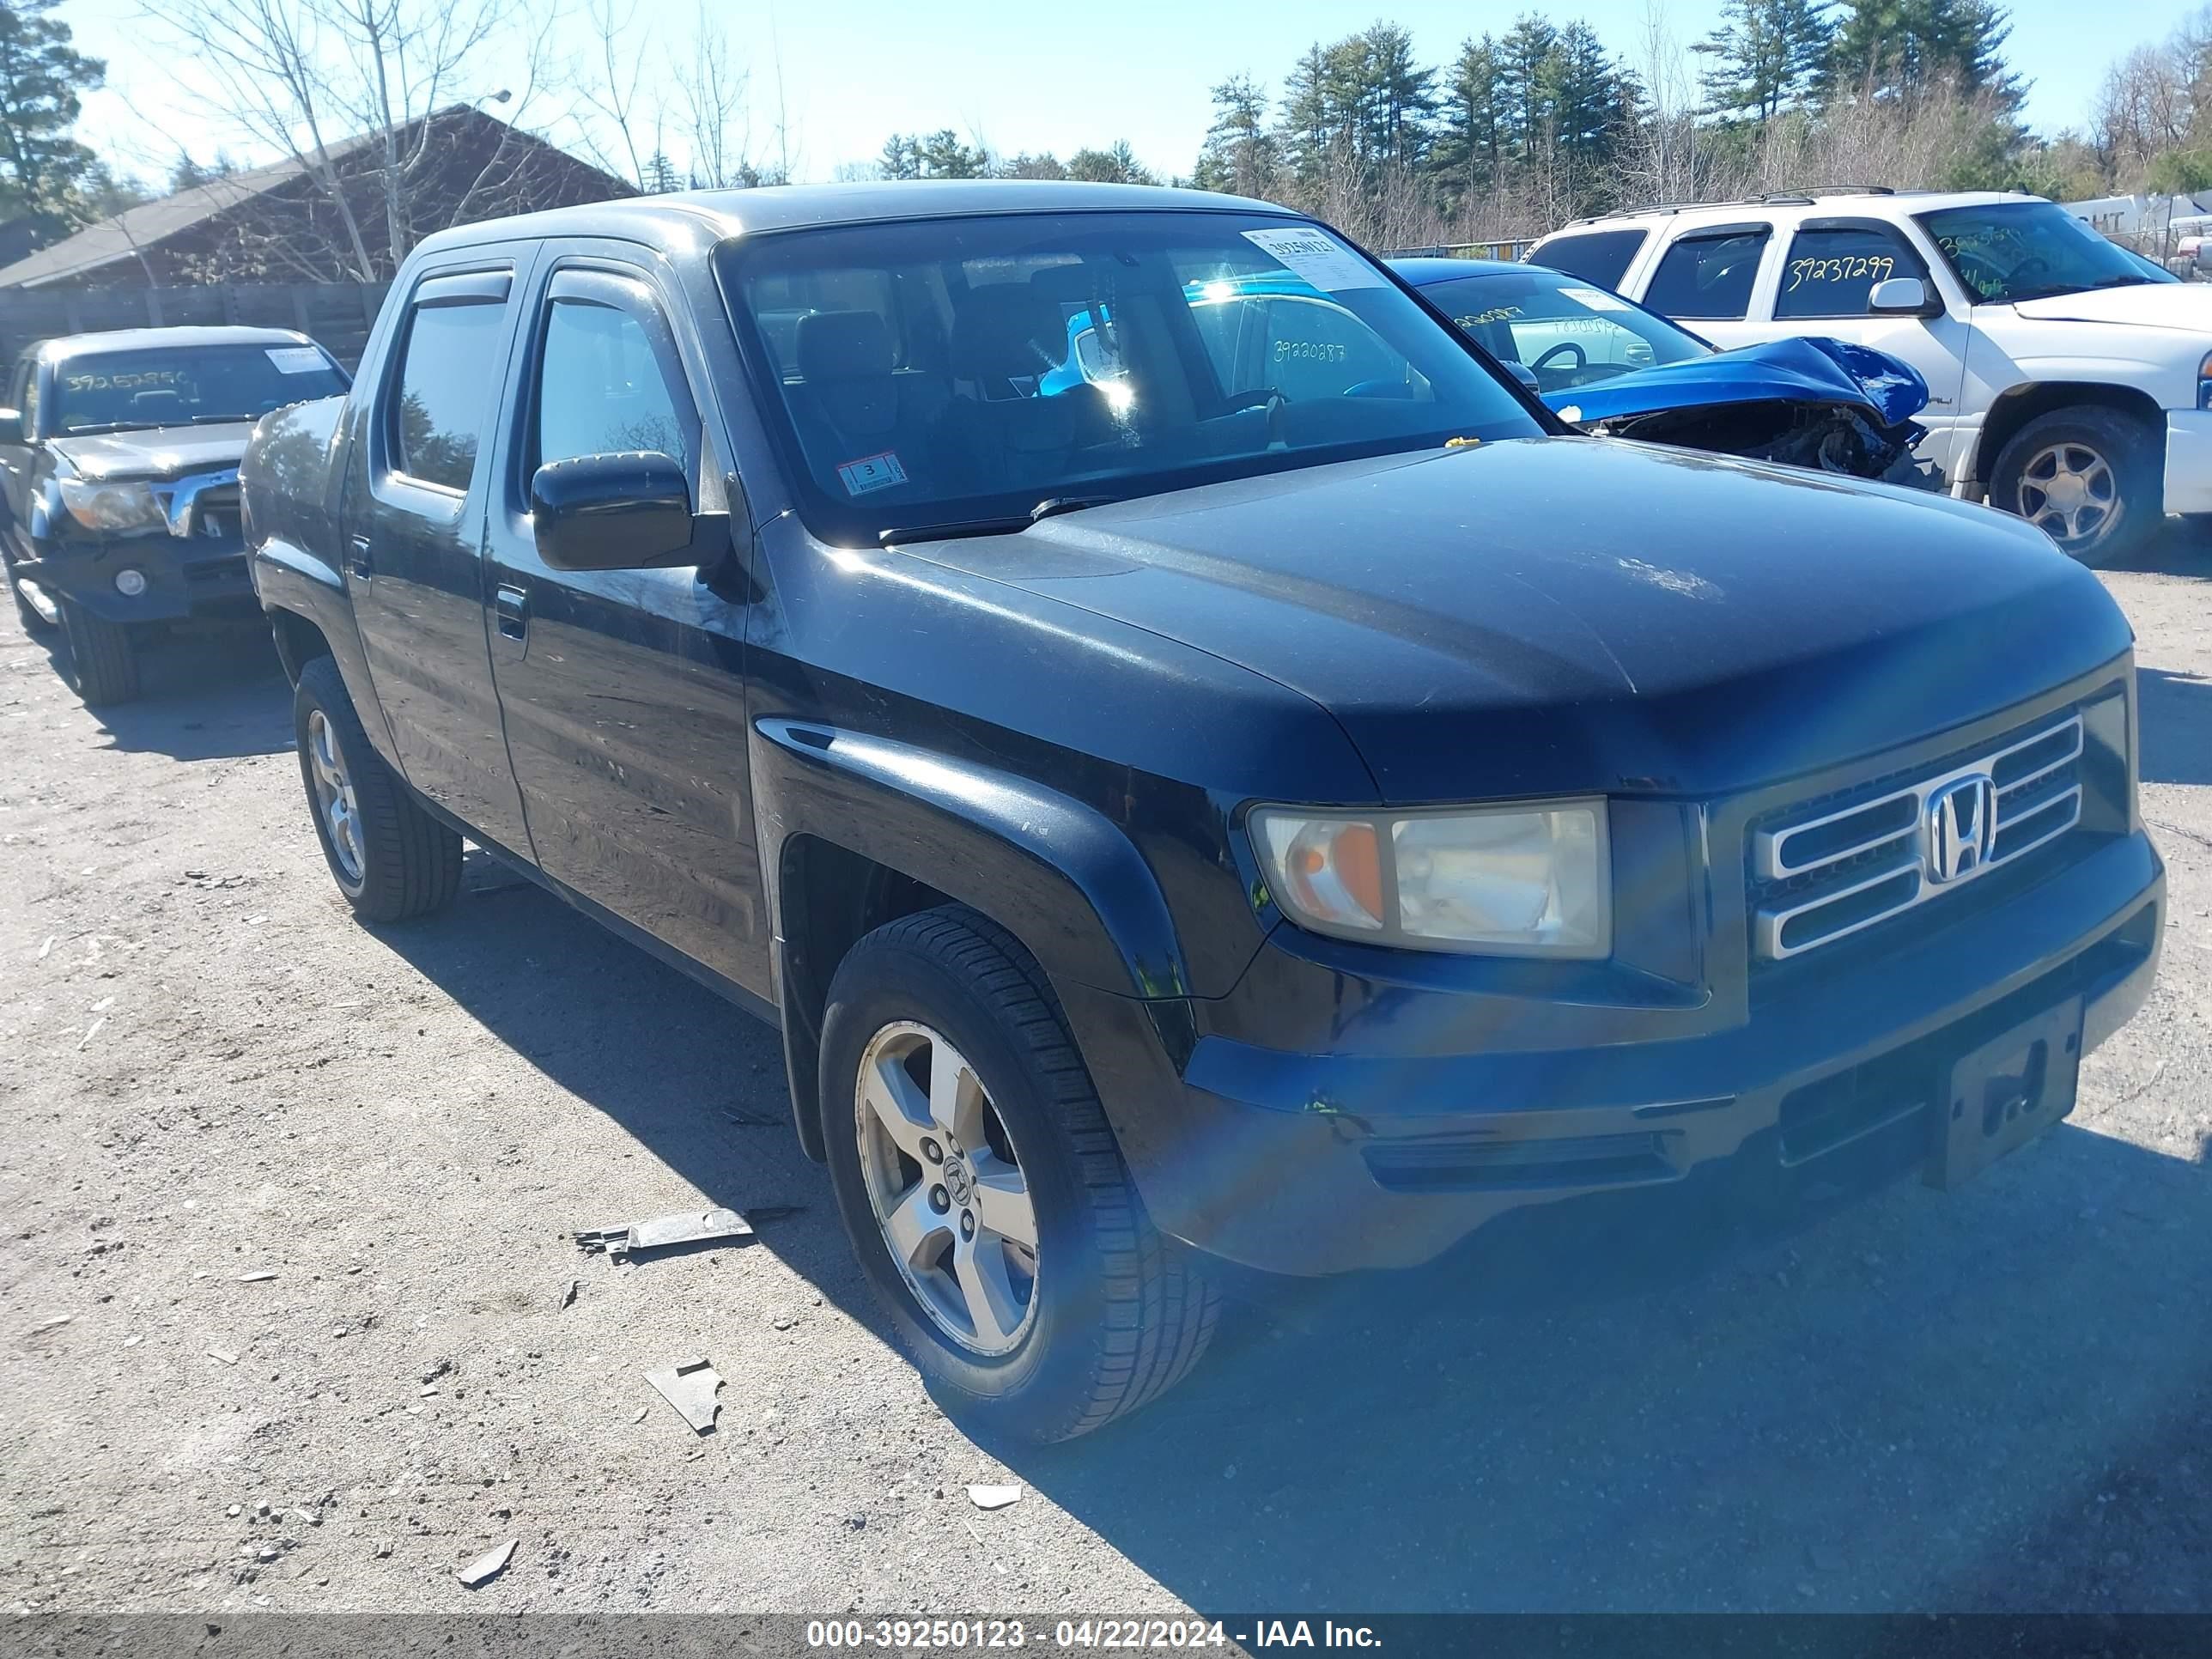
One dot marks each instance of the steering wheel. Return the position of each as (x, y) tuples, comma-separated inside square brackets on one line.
[(1581, 362), (2034, 265), (1263, 397)]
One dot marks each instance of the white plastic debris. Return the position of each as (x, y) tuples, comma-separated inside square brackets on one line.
[(487, 1566), (691, 1387), (993, 1497), (224, 1355)]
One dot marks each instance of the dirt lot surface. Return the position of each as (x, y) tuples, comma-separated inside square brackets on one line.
[(302, 1192)]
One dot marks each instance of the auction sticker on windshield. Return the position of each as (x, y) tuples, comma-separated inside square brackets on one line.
[(876, 471), (297, 360), (1318, 257), (1594, 299)]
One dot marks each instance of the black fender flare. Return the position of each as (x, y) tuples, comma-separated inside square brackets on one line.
[(289, 580), (1056, 873)]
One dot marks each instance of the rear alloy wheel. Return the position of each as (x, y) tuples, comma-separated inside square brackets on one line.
[(983, 1190), (103, 668), (391, 859), (2085, 477)]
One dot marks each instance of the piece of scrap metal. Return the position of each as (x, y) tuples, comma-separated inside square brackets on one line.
[(685, 1227)]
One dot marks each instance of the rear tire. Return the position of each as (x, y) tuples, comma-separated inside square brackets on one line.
[(2088, 477), (391, 859), (103, 668), (1110, 1315)]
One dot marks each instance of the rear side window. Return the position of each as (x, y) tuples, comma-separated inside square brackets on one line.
[(1830, 272), (602, 389), (1708, 277), (1599, 256), (446, 379)]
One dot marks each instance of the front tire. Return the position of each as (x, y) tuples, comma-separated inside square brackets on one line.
[(2086, 476), (984, 1192), (103, 668), (391, 859)]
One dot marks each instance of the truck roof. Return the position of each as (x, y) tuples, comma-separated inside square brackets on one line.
[(65, 346), (685, 215), (1827, 201)]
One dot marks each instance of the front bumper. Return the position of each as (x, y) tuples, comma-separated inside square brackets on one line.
[(2189, 460), (1323, 1164), (192, 576)]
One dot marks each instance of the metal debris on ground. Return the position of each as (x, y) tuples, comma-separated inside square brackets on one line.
[(992, 1497), (93, 1032), (261, 1278), (224, 1355), (690, 1388), (569, 1296), (487, 1566), (656, 1232), (53, 1324)]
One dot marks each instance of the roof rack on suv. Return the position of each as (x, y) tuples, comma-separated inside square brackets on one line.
[(1807, 192), (1772, 199)]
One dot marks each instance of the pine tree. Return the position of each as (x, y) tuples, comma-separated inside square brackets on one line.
[(1767, 56), (1468, 157), (1241, 156), (1521, 55), (1903, 48), (43, 169)]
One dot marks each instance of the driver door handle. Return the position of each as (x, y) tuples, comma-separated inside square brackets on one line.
[(512, 607), (357, 556)]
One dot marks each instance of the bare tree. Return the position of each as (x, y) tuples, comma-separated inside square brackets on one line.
[(345, 89)]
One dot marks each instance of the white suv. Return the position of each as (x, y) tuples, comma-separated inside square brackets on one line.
[(2068, 379)]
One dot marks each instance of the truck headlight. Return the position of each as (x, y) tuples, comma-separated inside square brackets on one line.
[(1523, 880), (112, 506)]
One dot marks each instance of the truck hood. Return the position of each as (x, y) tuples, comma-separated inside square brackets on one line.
[(1795, 370), (161, 452), (1554, 615), (2185, 306)]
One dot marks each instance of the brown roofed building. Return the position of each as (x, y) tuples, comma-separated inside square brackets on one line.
[(283, 223)]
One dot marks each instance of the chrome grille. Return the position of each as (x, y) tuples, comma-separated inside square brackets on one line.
[(1824, 877)]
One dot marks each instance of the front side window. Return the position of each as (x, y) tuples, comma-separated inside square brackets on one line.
[(601, 389), (187, 385), (1708, 277), (2006, 252), (446, 379), (1599, 256), (1568, 333), (1832, 271), (958, 371)]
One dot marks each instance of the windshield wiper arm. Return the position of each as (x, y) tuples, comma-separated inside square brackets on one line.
[(1011, 524)]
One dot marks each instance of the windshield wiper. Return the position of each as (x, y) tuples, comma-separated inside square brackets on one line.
[(100, 428), (222, 419), (1011, 524)]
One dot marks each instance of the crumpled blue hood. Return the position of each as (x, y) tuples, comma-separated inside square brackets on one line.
[(1820, 371)]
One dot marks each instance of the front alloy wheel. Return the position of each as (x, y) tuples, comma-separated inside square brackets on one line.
[(984, 1191), (947, 1187)]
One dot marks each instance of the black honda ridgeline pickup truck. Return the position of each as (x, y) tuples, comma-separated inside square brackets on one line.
[(1255, 787)]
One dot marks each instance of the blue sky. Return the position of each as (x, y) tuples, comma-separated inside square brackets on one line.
[(1032, 77)]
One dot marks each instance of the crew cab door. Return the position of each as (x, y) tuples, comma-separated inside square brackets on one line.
[(1830, 268), (414, 542), (624, 691)]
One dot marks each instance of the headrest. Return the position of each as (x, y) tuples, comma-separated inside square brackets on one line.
[(1007, 331), (843, 345)]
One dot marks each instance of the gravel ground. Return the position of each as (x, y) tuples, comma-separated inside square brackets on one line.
[(302, 1193)]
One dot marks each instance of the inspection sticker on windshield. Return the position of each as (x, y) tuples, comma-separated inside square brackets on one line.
[(1596, 299), (297, 360), (1318, 256), (877, 471)]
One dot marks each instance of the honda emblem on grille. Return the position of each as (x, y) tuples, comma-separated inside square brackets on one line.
[(1961, 827)]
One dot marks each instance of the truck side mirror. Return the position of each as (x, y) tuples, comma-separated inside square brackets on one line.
[(1520, 372), (11, 426), (1901, 296), (627, 511)]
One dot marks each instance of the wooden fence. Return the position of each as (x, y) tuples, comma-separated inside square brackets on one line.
[(337, 314)]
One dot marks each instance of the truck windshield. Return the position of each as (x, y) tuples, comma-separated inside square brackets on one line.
[(962, 374), (2006, 252), (187, 386)]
